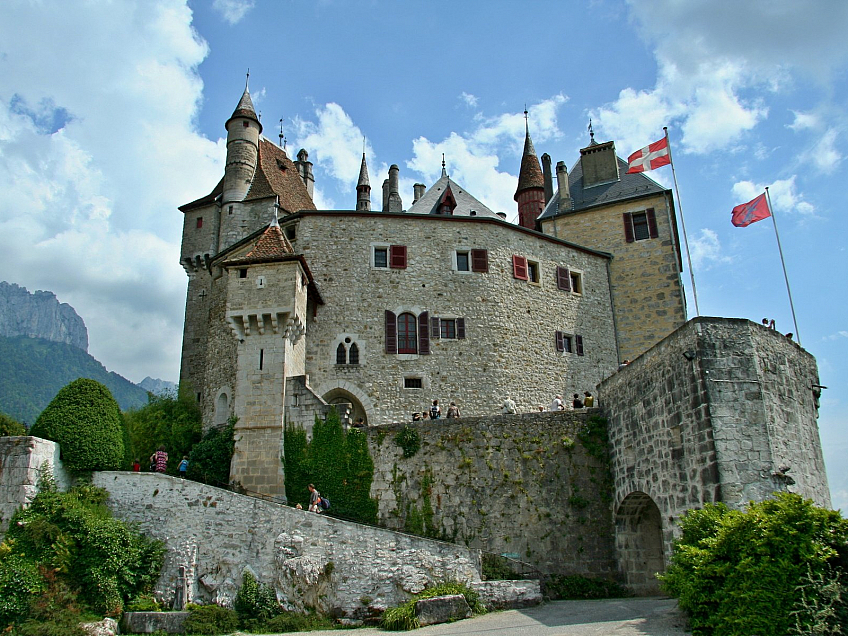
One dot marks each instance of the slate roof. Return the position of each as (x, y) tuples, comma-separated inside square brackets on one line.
[(271, 246), (530, 174), (245, 109), (629, 186), (465, 203), (363, 174)]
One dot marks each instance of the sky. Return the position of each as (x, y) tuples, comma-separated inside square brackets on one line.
[(112, 115)]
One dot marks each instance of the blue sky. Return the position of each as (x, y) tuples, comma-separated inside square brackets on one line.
[(112, 114)]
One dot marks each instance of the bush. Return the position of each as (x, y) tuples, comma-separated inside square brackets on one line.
[(740, 572), (209, 460), (574, 587), (20, 583), (255, 602), (210, 619), (293, 622), (409, 440), (85, 420), (403, 616), (10, 426)]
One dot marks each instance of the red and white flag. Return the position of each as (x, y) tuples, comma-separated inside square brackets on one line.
[(650, 157), (751, 212)]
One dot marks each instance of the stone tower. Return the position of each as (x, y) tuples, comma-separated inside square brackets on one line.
[(363, 188), (530, 194), (243, 130)]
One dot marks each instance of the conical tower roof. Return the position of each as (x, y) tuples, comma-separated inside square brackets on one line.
[(363, 174), (245, 109), (530, 175)]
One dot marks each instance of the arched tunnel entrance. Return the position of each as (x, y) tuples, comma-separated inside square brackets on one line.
[(639, 543), (340, 396)]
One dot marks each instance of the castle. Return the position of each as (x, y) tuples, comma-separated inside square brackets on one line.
[(388, 309)]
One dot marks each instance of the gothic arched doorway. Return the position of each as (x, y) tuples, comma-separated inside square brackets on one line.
[(639, 543), (340, 396)]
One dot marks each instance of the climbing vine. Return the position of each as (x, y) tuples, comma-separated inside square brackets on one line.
[(409, 440)]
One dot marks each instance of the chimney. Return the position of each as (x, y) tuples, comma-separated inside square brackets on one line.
[(599, 164), (386, 195), (546, 174), (395, 203), (418, 190), (304, 168), (562, 185)]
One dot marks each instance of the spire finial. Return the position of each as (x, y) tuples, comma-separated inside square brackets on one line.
[(247, 79), (363, 145), (526, 120), (275, 222), (444, 172), (281, 132), (591, 133)]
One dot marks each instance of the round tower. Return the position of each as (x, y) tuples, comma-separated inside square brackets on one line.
[(530, 194), (243, 130), (363, 188)]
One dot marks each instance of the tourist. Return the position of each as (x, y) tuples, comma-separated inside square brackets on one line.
[(577, 403), (159, 460), (557, 405), (183, 466), (435, 410), (453, 411), (314, 499), (136, 466), (588, 400)]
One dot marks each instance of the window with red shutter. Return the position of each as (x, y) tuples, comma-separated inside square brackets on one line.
[(199, 222), (424, 333), (628, 227), (652, 223), (479, 261), (435, 331), (397, 256), (578, 344), (407, 337), (563, 279), (460, 328), (519, 267), (391, 333)]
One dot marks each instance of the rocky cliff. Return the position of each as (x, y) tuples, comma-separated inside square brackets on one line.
[(39, 315)]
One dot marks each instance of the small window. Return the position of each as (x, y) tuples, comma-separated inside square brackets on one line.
[(199, 222), (246, 124), (412, 383), (576, 282), (341, 354), (229, 209), (243, 273), (564, 342), (353, 354), (291, 232), (640, 226), (381, 257), (462, 262), (260, 282), (261, 359), (533, 272), (447, 328)]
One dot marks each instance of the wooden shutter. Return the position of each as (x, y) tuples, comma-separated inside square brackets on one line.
[(628, 227), (479, 261), (578, 344), (397, 256), (460, 328), (424, 333), (652, 222), (560, 345), (563, 279), (435, 328), (391, 332), (519, 267)]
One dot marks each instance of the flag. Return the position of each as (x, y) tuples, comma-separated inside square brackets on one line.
[(751, 212), (650, 157)]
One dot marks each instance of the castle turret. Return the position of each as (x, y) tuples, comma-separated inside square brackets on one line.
[(304, 169), (243, 130), (530, 194), (363, 188)]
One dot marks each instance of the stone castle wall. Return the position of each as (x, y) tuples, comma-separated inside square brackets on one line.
[(312, 560), (509, 347), (523, 485), (644, 275)]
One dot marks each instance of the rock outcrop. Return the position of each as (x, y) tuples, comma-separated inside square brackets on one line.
[(39, 315)]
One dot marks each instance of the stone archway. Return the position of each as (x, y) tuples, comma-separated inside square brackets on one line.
[(639, 543), (341, 396)]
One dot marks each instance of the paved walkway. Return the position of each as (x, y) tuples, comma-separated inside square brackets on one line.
[(608, 617)]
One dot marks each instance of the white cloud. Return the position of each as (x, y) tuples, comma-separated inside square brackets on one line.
[(784, 197), (804, 121), (706, 250), (838, 335), (92, 167), (233, 11), (712, 57), (469, 99)]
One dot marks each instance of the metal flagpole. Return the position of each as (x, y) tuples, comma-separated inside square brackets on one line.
[(780, 249), (682, 223)]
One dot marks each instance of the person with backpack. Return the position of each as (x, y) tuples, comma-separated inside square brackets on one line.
[(435, 410), (314, 499)]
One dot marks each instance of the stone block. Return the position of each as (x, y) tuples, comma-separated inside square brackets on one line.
[(441, 609), (498, 595), (151, 622)]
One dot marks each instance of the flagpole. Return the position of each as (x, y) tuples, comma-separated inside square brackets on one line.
[(786, 278), (682, 223)]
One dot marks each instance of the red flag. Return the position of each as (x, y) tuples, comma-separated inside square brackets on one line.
[(751, 212), (650, 157)]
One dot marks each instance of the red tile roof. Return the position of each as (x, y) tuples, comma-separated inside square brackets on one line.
[(277, 175), (271, 246)]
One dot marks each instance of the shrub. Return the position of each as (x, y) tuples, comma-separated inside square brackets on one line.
[(210, 619), (574, 587), (20, 583), (85, 420), (403, 616), (409, 440), (739, 572), (255, 602), (209, 460), (293, 622), (10, 426)]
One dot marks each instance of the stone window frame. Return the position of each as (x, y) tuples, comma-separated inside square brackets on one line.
[(347, 341), (568, 343), (391, 334), (396, 256), (650, 225), (412, 375), (477, 260), (576, 280), (522, 267)]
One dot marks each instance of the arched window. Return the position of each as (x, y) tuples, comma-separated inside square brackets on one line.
[(407, 338), (354, 354), (341, 354)]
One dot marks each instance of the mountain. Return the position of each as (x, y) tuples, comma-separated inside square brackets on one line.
[(39, 315), (32, 370), (157, 386)]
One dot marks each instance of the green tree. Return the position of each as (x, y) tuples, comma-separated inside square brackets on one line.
[(169, 420), (10, 426), (738, 573), (85, 420), (209, 460), (297, 465)]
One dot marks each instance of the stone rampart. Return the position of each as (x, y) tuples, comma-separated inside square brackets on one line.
[(312, 560), (531, 486)]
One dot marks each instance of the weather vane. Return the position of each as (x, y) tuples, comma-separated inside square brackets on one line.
[(591, 131), (282, 137)]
